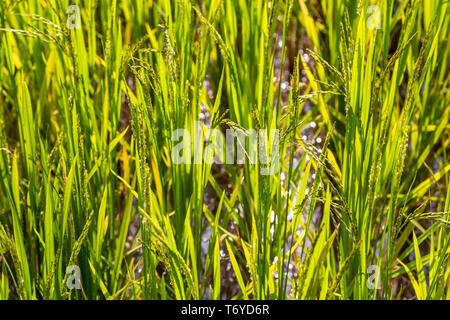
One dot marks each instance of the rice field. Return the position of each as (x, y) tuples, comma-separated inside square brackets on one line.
[(224, 150)]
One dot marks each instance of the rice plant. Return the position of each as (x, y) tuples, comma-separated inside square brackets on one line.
[(224, 149)]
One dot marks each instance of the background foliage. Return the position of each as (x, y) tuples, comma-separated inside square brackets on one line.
[(86, 120)]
